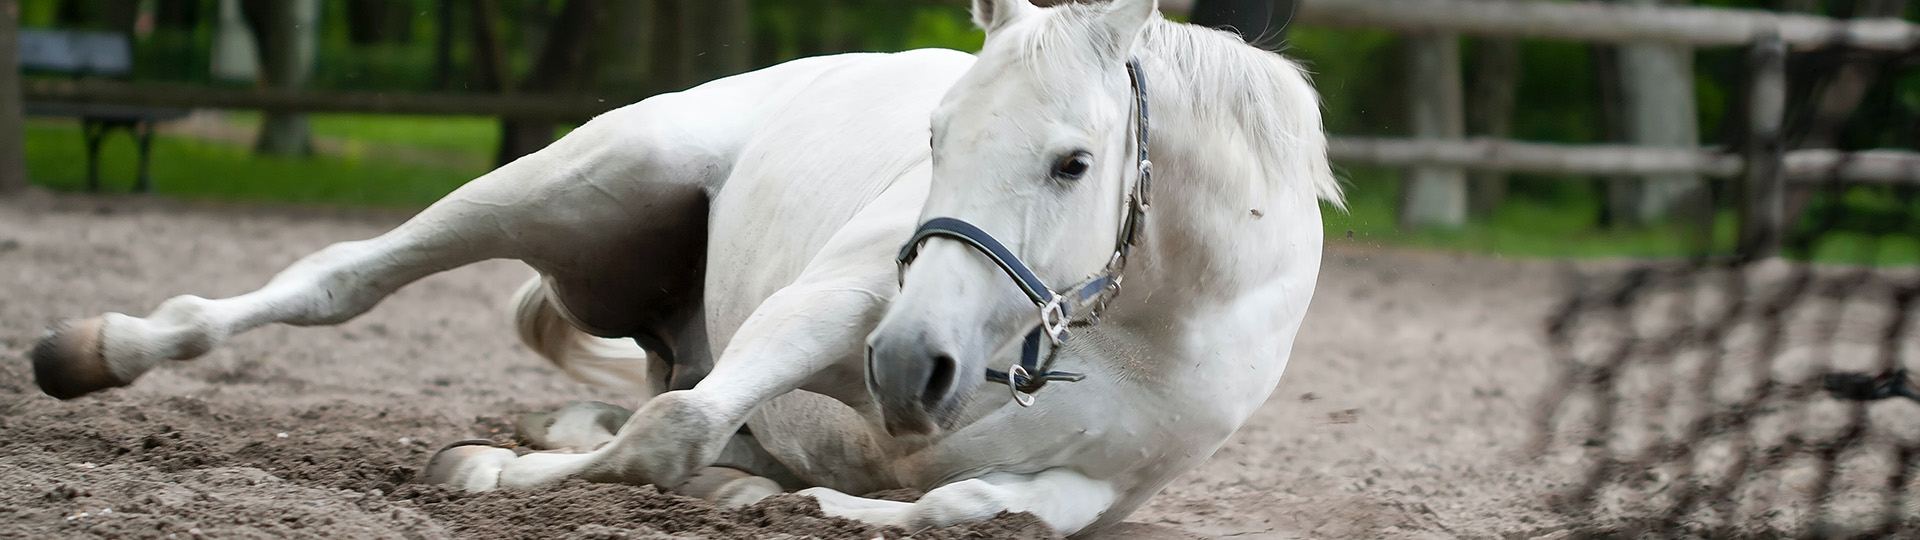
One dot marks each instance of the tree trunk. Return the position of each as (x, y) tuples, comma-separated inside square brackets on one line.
[(667, 49), (837, 32), (564, 65), (1434, 196), (1496, 76), (1260, 22), (1657, 89), (379, 21), (1621, 191), (443, 45), (489, 50), (96, 15), (623, 43), (13, 156), (1844, 92), (723, 38), (284, 31), (1763, 201)]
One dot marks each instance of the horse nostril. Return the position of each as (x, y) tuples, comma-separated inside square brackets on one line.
[(940, 381)]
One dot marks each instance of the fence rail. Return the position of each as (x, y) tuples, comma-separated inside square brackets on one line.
[(529, 106), (1883, 166), (1583, 21), (1612, 23)]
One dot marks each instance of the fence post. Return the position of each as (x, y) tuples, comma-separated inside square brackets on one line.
[(1491, 93), (13, 157), (1434, 196), (1763, 218), (1656, 87)]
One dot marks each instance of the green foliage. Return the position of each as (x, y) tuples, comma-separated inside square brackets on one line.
[(943, 27), (38, 13), (1356, 73), (1558, 97)]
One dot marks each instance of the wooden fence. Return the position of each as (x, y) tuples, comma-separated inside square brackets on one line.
[(1799, 166), (529, 106), (1766, 170), (1610, 22), (1763, 168)]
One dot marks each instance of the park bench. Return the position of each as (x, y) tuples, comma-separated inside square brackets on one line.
[(99, 54)]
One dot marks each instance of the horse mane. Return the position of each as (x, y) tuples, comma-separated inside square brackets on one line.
[(1224, 81)]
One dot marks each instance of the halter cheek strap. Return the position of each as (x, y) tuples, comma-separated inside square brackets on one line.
[(1077, 305)]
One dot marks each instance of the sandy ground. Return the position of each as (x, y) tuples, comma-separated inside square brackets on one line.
[(1403, 414)]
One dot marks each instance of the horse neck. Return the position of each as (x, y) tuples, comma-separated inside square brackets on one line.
[(1220, 224)]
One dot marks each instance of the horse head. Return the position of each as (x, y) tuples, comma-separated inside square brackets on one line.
[(1037, 166)]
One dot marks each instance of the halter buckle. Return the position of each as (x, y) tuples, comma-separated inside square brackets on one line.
[(1053, 319), (1140, 188), (1014, 375)]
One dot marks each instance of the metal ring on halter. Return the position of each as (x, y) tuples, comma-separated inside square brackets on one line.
[(1014, 375)]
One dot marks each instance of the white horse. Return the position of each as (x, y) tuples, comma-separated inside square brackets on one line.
[(762, 216)]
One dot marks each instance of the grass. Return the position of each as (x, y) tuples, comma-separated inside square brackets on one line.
[(1563, 221), (478, 135), (1524, 226), (206, 170), (1544, 218)]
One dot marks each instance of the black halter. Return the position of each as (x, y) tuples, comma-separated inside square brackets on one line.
[(1078, 305)]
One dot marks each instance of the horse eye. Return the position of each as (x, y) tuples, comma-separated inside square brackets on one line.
[(1073, 166)]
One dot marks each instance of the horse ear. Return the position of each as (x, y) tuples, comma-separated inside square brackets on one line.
[(1124, 19), (990, 15)]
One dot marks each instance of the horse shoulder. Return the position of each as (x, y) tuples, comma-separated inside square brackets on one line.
[(837, 142)]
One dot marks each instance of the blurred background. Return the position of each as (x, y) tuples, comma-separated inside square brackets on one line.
[(1638, 131)]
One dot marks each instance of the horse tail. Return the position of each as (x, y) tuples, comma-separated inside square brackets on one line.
[(614, 364)]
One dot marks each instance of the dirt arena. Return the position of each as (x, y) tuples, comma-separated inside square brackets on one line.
[(1403, 414)]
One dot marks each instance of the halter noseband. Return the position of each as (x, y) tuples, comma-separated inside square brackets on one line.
[(1078, 305)]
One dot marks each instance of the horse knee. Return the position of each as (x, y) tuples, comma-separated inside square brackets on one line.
[(665, 442)]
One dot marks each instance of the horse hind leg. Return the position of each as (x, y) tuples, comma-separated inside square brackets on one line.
[(728, 487), (582, 426), (326, 287), (746, 472), (553, 209)]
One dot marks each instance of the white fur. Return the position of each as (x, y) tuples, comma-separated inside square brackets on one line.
[(614, 364), (816, 171)]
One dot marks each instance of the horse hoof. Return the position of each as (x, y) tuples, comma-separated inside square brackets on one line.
[(727, 487), (69, 361), (580, 425), (471, 465)]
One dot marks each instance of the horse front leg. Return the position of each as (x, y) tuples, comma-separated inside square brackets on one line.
[(794, 336), (1067, 500)]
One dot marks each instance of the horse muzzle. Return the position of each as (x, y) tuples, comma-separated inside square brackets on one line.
[(918, 377)]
